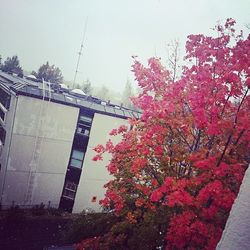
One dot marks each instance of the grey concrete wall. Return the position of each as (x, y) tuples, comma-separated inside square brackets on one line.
[(94, 174), (8, 126), (236, 235), (39, 152)]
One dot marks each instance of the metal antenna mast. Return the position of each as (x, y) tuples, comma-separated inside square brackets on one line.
[(80, 51)]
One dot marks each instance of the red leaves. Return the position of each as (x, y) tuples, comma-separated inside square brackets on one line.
[(114, 197), (222, 170), (131, 218), (143, 189), (92, 243), (139, 202), (212, 189), (156, 195), (179, 233), (174, 192), (97, 158), (179, 198), (99, 149), (154, 183), (188, 150), (109, 146), (112, 168), (122, 129), (159, 150), (187, 231), (247, 82), (213, 129), (113, 132), (138, 164), (206, 163), (151, 78)]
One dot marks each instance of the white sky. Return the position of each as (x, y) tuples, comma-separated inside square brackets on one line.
[(51, 30)]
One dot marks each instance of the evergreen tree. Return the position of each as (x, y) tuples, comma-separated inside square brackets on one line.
[(127, 94), (49, 73), (12, 65), (87, 88)]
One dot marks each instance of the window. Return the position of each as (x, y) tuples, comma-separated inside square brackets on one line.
[(85, 119), (77, 154), (2, 135), (70, 186), (83, 130), (76, 159), (2, 115), (70, 190), (76, 163), (4, 99), (69, 194)]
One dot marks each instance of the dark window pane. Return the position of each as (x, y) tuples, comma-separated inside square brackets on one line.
[(2, 114), (83, 130), (5, 99), (69, 194), (70, 186), (2, 134)]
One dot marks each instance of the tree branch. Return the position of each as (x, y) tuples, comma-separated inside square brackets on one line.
[(230, 136)]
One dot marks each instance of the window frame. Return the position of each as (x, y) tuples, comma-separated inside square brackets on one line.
[(69, 191), (73, 158)]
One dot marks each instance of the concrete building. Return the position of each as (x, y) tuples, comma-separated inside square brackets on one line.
[(236, 233), (47, 137)]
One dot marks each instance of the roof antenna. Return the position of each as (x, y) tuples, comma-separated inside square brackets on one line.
[(80, 51)]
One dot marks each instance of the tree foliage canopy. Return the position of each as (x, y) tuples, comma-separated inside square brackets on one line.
[(127, 94), (87, 87), (185, 158), (12, 65), (49, 73)]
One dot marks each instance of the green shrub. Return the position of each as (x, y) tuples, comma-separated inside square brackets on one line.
[(54, 211), (15, 213), (38, 210), (88, 226)]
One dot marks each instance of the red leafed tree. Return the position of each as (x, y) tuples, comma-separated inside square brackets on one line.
[(187, 154)]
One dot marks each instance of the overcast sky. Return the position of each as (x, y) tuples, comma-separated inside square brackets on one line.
[(51, 30)]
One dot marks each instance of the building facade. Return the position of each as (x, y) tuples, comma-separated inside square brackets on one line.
[(47, 138), (236, 232)]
